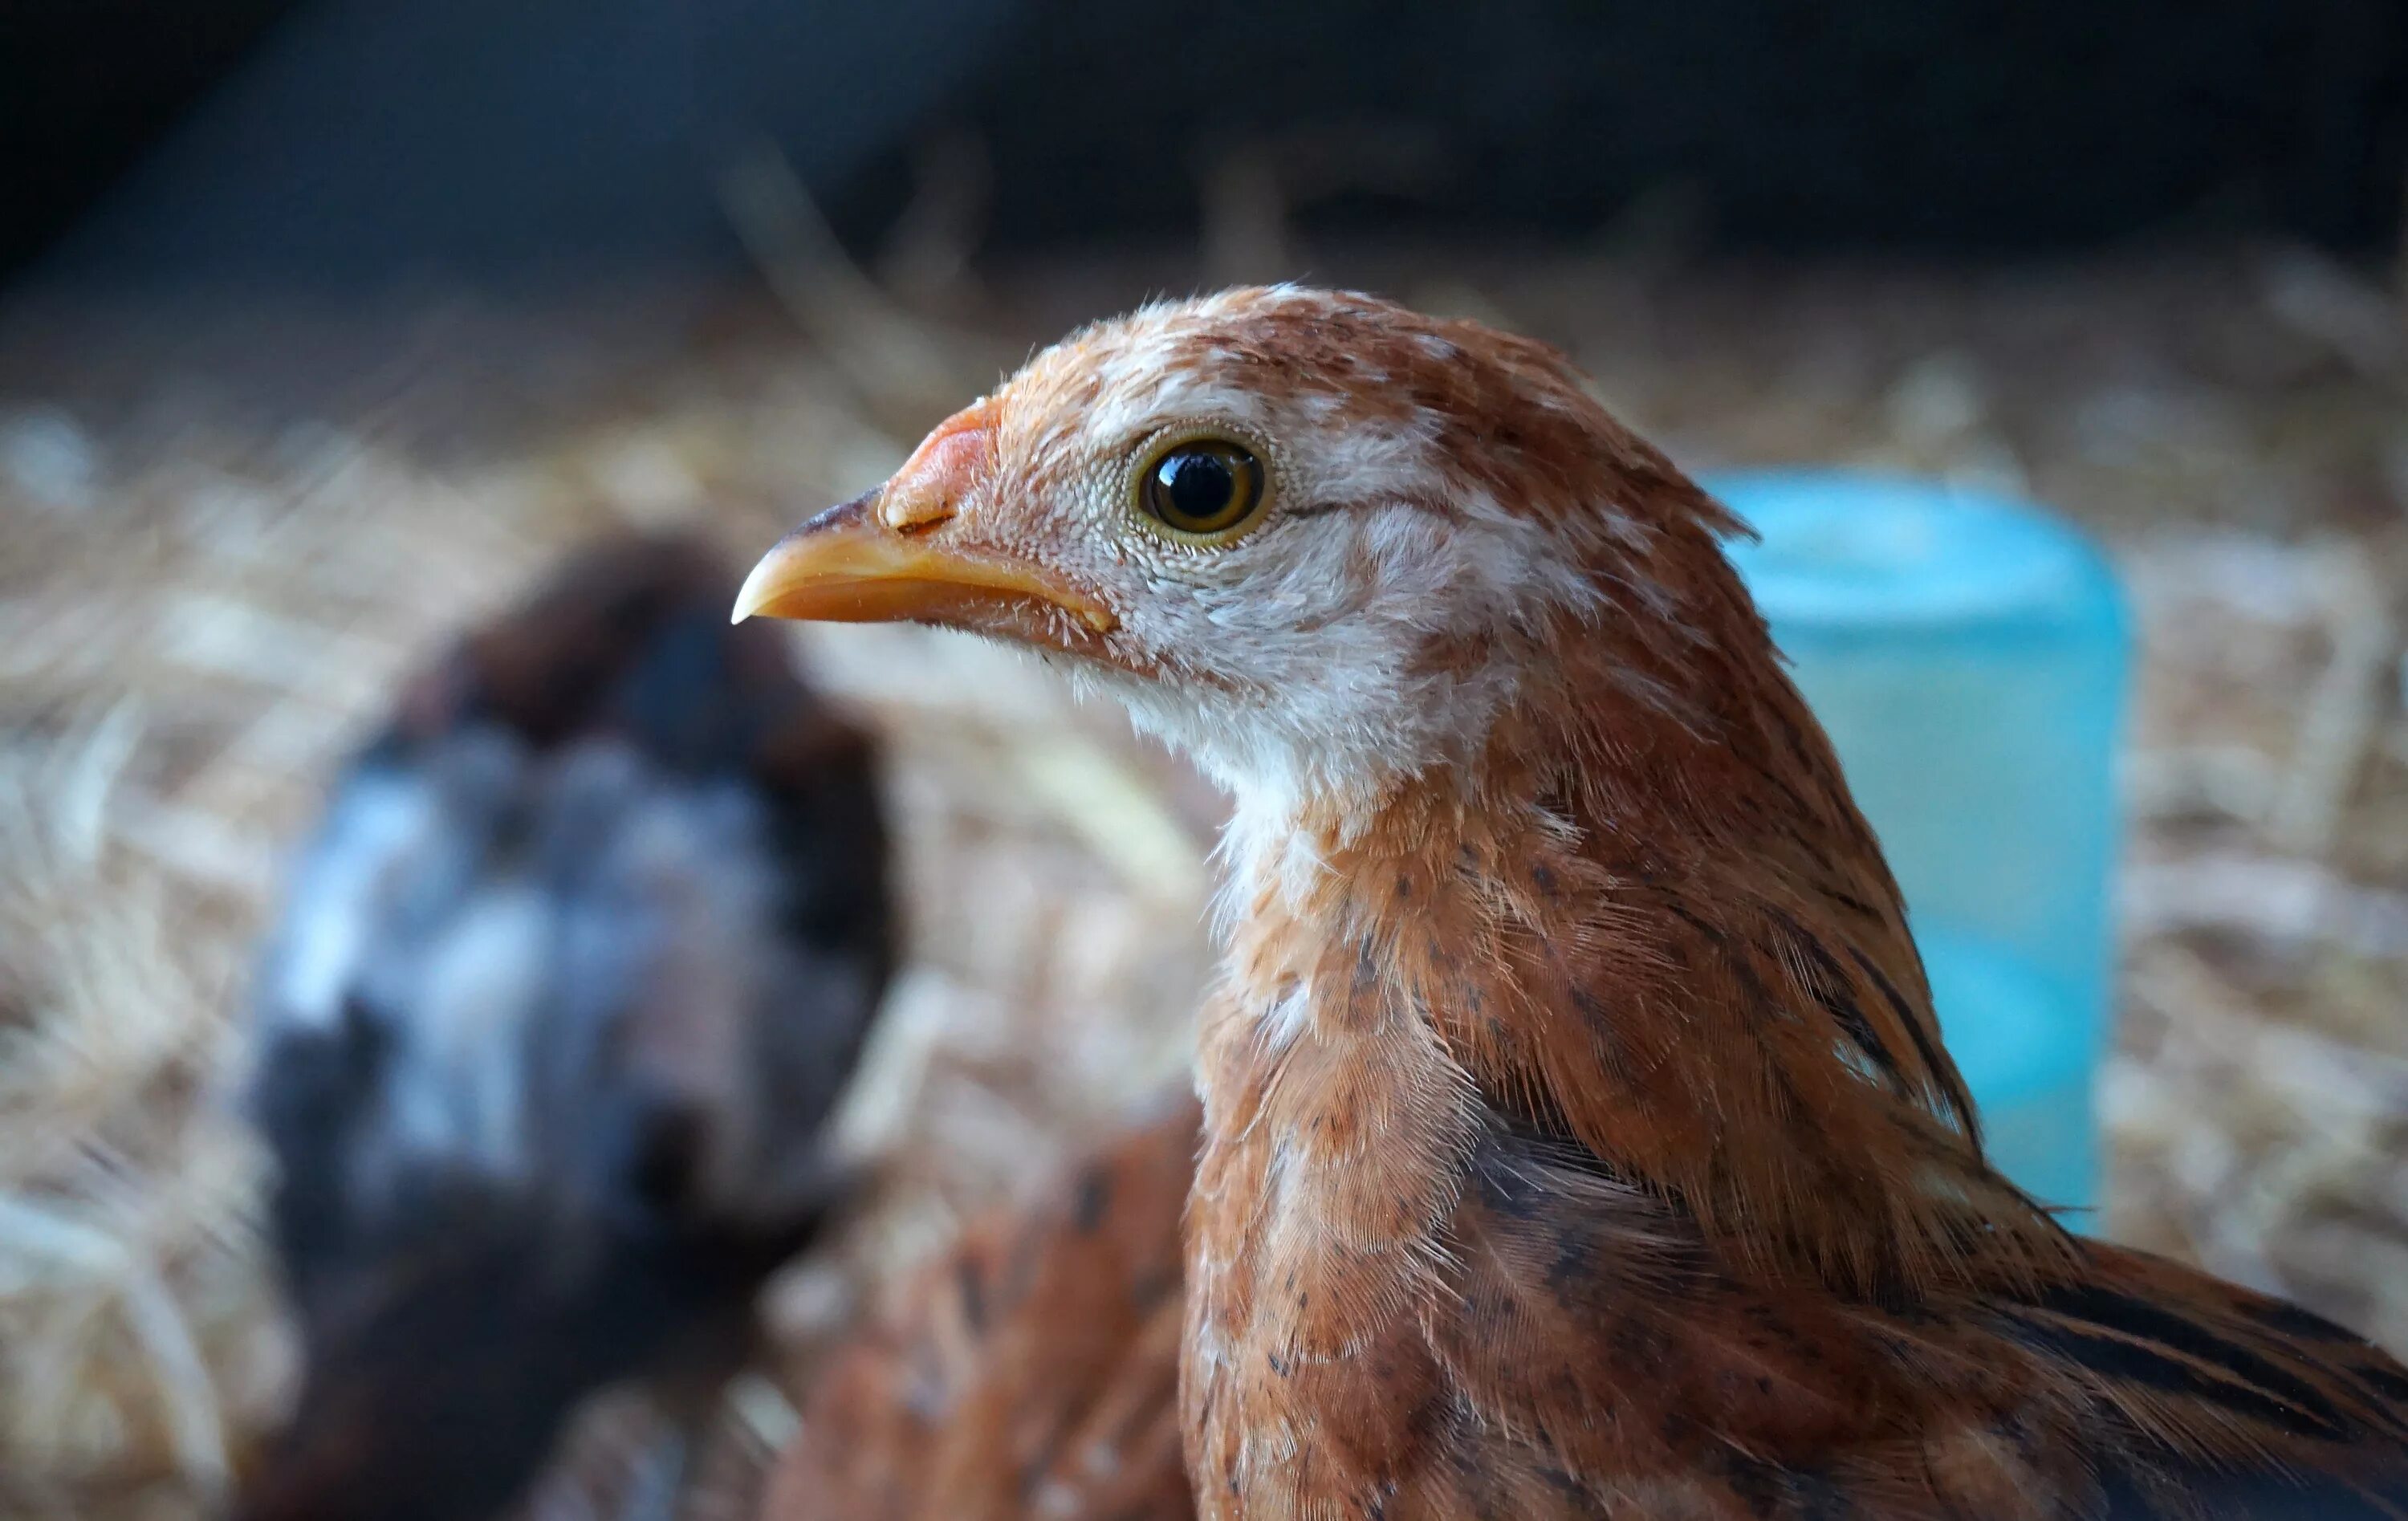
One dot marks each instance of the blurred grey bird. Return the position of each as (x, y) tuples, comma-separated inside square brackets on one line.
[(562, 994)]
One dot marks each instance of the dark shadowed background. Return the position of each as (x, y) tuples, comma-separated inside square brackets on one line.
[(340, 140)]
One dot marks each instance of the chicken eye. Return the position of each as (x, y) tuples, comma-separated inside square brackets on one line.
[(1203, 487)]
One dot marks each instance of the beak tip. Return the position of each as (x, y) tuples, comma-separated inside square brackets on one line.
[(758, 591)]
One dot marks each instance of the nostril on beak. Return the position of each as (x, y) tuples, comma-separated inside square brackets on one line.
[(929, 490), (915, 512)]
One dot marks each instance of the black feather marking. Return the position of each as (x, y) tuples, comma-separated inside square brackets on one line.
[(2388, 1381), (2121, 1312), (1711, 936), (1793, 737), (1944, 1075), (2133, 1338), (2137, 1363), (1835, 995)]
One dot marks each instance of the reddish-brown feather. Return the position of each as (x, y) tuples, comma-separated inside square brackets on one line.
[(1032, 1372)]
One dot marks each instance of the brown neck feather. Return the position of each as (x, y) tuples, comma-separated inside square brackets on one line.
[(1649, 919)]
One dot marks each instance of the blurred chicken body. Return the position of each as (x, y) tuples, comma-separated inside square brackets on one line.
[(565, 986), (1032, 1372), (1578, 1137)]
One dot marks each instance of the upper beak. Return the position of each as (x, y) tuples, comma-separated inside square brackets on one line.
[(846, 567), (876, 559)]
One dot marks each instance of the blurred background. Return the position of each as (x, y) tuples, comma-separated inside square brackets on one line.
[(325, 325)]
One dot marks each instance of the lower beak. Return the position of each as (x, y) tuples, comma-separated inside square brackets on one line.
[(848, 567)]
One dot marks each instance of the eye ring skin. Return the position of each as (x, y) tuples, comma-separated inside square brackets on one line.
[(1160, 445)]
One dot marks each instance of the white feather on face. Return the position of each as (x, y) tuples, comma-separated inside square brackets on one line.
[(1294, 660)]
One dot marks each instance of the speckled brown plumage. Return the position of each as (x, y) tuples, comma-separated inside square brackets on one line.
[(1471, 1257), (1030, 1373), (1579, 1140)]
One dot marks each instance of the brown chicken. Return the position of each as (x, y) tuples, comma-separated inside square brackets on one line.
[(1578, 1138), (1032, 1372), (561, 992)]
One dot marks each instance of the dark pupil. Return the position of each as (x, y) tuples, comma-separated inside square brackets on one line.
[(1200, 485)]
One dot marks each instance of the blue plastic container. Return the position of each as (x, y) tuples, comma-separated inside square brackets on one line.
[(1970, 656)]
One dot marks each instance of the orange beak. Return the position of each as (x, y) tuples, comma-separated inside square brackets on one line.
[(880, 558)]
